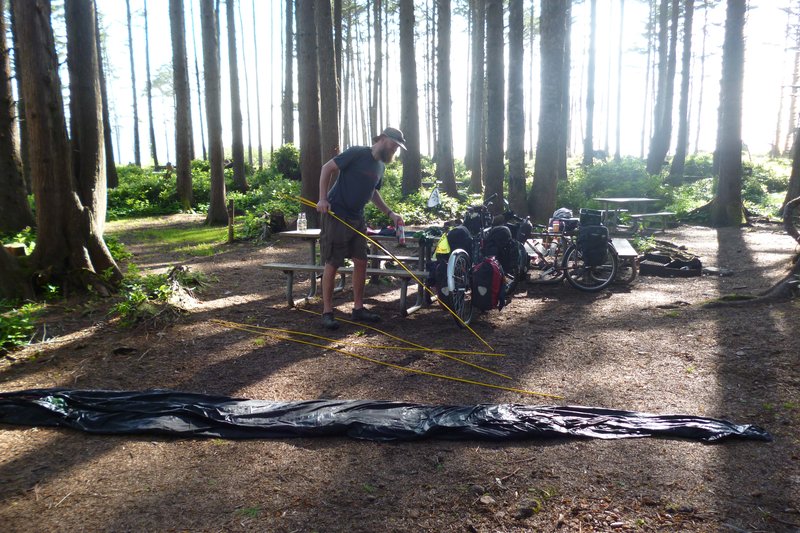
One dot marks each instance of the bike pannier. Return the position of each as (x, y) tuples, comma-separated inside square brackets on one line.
[(591, 217), (495, 241), (488, 287), (459, 237), (593, 244)]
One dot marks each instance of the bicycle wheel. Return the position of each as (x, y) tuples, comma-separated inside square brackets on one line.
[(585, 277), (459, 299)]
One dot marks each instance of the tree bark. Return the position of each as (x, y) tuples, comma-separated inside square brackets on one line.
[(149, 88), (409, 108), (495, 103), (550, 149), (377, 70), (328, 82), (588, 141), (476, 123), (258, 91), (237, 143), (112, 179), (516, 109), (86, 110), (659, 144), (679, 159), (217, 210), (199, 88), (16, 213), (618, 147), (287, 105), (445, 170), (137, 158), (183, 103), (308, 107), (69, 245), (726, 207)]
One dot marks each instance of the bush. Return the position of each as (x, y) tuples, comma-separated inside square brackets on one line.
[(286, 162)]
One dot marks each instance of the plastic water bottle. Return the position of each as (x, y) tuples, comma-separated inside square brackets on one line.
[(401, 235), (302, 223)]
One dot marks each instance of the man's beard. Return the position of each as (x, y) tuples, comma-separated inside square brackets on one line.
[(387, 155)]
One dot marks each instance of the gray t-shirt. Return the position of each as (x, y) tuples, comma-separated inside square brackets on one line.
[(359, 176)]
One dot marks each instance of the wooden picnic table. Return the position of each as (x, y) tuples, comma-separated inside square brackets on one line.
[(614, 206), (315, 267)]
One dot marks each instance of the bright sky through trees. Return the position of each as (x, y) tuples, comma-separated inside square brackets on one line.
[(767, 71)]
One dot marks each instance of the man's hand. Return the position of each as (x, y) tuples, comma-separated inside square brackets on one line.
[(397, 219), (323, 206)]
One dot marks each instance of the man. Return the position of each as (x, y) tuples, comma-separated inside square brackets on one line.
[(360, 171)]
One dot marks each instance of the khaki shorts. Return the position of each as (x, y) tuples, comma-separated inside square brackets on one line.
[(338, 242)]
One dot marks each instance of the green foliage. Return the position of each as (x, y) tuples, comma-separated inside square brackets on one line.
[(116, 248), (16, 324), (286, 162), (26, 237), (148, 297), (628, 177)]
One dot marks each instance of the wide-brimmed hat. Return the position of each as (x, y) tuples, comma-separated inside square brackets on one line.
[(395, 135)]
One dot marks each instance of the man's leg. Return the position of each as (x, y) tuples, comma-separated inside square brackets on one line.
[(328, 279), (359, 281)]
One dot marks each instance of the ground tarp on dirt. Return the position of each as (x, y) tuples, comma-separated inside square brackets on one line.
[(184, 414)]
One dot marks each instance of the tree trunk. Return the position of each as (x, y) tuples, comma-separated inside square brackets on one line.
[(476, 125), (588, 140), (702, 78), (328, 83), (516, 109), (217, 210), (258, 90), (14, 206), (566, 67), (199, 90), (793, 189), (237, 148), (308, 107), (727, 208), (377, 70), (149, 87), (287, 105), (445, 170), (137, 158), (86, 110), (495, 100), (409, 108), (550, 150), (659, 144), (183, 111), (247, 91), (69, 244), (112, 179), (679, 159), (617, 135)]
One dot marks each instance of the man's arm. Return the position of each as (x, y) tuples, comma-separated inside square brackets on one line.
[(377, 199), (329, 170)]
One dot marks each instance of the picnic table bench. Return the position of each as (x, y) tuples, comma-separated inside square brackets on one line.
[(289, 270), (375, 269), (629, 260), (640, 220)]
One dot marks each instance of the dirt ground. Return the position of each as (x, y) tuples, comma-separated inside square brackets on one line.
[(646, 347)]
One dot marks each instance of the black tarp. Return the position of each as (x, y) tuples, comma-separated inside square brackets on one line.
[(185, 414)]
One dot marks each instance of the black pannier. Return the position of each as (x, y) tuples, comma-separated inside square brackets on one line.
[(459, 237), (591, 217), (593, 244)]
